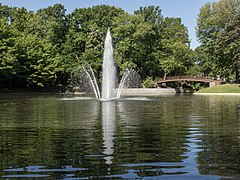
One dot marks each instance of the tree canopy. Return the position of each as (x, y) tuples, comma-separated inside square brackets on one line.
[(218, 27), (42, 48)]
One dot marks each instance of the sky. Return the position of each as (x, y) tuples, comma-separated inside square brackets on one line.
[(187, 10)]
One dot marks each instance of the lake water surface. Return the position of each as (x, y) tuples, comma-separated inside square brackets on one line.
[(172, 137)]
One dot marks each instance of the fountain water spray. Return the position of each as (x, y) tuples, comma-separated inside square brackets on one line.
[(86, 78), (92, 80), (108, 70)]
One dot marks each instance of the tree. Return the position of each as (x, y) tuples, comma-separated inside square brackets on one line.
[(213, 31), (37, 54), (54, 26), (127, 51), (54, 30), (136, 38), (7, 57), (86, 34), (175, 54), (201, 66), (229, 40), (43, 48), (148, 36)]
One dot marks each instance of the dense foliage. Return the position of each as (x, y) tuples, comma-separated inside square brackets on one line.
[(42, 48), (218, 29)]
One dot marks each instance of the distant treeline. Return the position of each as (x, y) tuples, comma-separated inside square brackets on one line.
[(43, 48)]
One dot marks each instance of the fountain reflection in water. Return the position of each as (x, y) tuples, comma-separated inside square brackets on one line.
[(84, 80), (109, 121)]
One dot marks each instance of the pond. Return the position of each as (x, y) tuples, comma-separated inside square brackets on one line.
[(169, 137)]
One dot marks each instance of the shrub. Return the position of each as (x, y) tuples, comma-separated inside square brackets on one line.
[(148, 82)]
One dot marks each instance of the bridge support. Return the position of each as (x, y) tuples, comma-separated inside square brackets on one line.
[(214, 83)]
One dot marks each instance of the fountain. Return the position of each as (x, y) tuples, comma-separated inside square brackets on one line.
[(108, 69), (85, 79)]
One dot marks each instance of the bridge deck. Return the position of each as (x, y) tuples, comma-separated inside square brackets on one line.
[(187, 78)]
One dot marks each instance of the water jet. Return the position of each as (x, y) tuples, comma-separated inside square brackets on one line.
[(85, 78)]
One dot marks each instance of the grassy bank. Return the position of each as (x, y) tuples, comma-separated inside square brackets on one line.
[(223, 88)]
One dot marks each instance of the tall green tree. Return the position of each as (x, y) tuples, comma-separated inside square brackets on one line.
[(7, 56), (7, 41), (128, 50), (37, 51), (215, 23), (54, 24), (229, 41), (137, 37), (152, 34), (86, 34), (152, 44), (201, 65), (175, 54)]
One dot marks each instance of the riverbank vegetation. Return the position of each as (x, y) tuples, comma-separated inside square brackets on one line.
[(43, 48)]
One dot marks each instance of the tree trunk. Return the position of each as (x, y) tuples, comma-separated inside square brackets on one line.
[(165, 75)]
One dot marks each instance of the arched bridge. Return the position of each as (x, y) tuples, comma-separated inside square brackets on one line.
[(209, 80)]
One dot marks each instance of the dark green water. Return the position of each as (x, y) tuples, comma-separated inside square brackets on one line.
[(177, 137)]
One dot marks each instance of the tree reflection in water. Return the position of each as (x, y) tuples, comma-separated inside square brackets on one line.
[(180, 137)]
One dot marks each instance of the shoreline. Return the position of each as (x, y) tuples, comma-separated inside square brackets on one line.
[(217, 94), (126, 92), (148, 91)]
